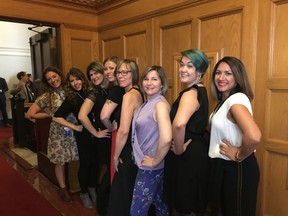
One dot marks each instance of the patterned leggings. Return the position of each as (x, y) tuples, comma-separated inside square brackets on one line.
[(148, 189)]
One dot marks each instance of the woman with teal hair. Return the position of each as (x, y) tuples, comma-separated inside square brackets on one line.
[(187, 165)]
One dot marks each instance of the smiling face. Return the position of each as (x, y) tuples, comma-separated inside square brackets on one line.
[(75, 83), (53, 79), (109, 69), (152, 83), (187, 72), (224, 79), (96, 77), (124, 77)]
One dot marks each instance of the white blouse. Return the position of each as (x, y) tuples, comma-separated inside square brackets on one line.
[(224, 129)]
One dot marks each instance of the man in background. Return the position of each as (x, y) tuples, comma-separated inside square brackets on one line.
[(3, 89), (23, 89)]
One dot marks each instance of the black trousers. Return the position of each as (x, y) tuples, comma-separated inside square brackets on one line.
[(88, 162), (3, 109), (233, 187)]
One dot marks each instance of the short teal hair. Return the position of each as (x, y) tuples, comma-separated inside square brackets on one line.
[(198, 58)]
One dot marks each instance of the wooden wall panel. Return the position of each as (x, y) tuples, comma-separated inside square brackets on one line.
[(135, 48), (81, 56), (79, 48), (277, 125), (279, 35), (272, 88), (220, 35), (173, 40), (277, 191), (128, 41), (222, 31), (112, 47)]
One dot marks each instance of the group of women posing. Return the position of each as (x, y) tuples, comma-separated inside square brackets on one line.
[(163, 161)]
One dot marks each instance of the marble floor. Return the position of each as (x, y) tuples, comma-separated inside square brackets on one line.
[(41, 184)]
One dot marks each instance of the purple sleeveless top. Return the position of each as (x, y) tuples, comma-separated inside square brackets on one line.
[(145, 132)]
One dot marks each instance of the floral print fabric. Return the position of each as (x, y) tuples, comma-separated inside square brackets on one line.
[(61, 147)]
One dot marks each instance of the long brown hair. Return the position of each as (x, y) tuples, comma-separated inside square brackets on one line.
[(240, 74), (69, 90), (45, 84)]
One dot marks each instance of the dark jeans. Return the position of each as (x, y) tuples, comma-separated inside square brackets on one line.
[(3, 109)]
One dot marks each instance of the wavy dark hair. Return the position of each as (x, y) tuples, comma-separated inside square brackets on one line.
[(240, 75), (79, 75), (46, 86)]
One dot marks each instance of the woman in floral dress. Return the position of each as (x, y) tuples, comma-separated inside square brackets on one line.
[(61, 147)]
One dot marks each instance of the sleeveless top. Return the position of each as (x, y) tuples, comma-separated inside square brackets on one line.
[(197, 123), (145, 133)]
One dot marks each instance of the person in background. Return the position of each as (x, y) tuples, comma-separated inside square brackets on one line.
[(89, 116), (127, 74), (151, 140), (23, 89), (3, 90), (187, 166), (234, 138), (61, 147), (30, 82), (77, 90)]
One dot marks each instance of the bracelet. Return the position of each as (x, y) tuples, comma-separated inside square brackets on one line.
[(237, 156)]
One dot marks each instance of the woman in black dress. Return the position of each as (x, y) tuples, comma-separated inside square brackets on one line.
[(187, 166), (122, 186)]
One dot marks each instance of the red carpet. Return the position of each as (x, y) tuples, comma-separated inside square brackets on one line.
[(17, 197), (6, 132)]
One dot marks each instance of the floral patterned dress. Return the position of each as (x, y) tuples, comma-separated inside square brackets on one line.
[(62, 146)]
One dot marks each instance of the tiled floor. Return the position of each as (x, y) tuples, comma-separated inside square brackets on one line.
[(40, 183)]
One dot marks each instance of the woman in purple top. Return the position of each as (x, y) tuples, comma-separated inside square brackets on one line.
[(151, 139)]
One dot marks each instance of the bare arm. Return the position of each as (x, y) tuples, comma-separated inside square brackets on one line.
[(106, 113), (162, 110), (251, 134), (188, 105), (34, 112), (131, 102), (66, 123), (83, 117)]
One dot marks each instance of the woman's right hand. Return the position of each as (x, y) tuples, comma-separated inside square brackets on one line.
[(78, 128), (116, 162), (103, 133)]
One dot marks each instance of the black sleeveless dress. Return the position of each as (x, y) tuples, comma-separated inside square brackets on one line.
[(123, 182), (186, 175)]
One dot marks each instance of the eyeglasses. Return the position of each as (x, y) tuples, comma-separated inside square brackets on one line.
[(123, 73)]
